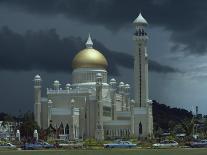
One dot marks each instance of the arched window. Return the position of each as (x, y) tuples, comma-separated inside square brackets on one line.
[(107, 132), (140, 128), (67, 129), (61, 128), (76, 133)]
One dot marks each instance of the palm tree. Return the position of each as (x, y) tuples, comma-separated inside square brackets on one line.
[(188, 126), (28, 125)]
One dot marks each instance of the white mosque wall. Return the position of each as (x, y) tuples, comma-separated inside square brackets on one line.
[(44, 113), (86, 75)]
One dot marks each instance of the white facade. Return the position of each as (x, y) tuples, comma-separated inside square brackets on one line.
[(92, 107)]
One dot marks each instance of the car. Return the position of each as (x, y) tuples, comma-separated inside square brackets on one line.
[(31, 146), (201, 143), (47, 145), (120, 144), (37, 145), (166, 144), (7, 146)]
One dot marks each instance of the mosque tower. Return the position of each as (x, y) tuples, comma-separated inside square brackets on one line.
[(142, 111), (99, 132), (37, 105), (140, 62)]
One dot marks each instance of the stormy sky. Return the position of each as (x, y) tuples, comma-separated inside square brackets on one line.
[(43, 36)]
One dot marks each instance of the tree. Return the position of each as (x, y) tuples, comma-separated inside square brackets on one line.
[(28, 126), (164, 116), (171, 126), (188, 126)]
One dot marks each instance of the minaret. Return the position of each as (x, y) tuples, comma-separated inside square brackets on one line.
[(140, 62), (37, 105), (121, 91), (99, 132), (142, 113), (126, 97), (113, 88)]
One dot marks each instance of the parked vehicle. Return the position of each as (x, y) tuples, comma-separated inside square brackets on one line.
[(31, 146), (47, 145), (120, 144), (7, 146), (165, 144), (201, 143), (36, 146)]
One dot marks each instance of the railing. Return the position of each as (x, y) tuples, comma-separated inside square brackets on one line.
[(72, 91)]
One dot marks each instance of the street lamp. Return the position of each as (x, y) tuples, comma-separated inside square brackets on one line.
[(18, 135)]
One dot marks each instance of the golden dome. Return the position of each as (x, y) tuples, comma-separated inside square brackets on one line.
[(89, 57)]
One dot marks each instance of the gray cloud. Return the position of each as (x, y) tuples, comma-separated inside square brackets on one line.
[(45, 50), (159, 68), (186, 19)]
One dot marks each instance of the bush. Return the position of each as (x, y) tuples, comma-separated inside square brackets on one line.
[(92, 143)]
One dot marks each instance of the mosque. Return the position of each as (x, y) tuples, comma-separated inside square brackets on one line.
[(93, 106)]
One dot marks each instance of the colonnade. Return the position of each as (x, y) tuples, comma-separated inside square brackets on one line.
[(125, 132)]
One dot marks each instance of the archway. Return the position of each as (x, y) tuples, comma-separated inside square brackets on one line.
[(67, 129), (140, 128), (61, 128)]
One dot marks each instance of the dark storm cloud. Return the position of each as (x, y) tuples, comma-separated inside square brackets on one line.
[(186, 19), (126, 60), (45, 50), (157, 67)]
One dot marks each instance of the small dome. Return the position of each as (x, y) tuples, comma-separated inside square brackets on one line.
[(121, 84), (56, 82), (98, 75), (112, 80), (140, 20), (68, 85), (50, 101), (132, 102), (127, 85), (37, 77)]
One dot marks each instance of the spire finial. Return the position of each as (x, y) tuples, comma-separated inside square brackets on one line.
[(140, 20), (89, 43)]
